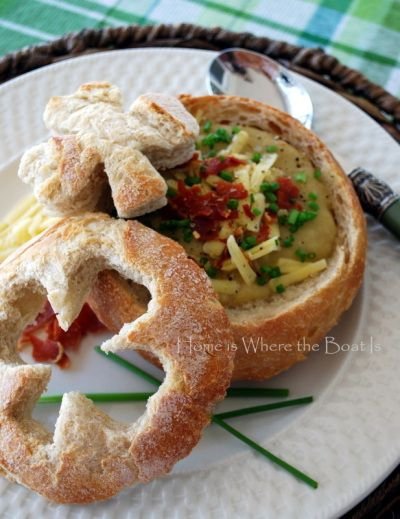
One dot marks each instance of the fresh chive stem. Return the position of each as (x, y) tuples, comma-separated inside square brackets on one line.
[(258, 392), (101, 397), (266, 407), (245, 439), (128, 365), (267, 454)]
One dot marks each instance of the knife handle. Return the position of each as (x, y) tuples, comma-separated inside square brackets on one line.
[(377, 198)]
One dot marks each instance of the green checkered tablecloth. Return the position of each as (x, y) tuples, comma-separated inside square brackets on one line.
[(363, 34)]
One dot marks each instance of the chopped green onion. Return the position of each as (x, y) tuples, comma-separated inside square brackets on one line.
[(293, 216), (283, 464), (270, 197), (187, 235), (225, 175), (191, 181), (256, 157), (171, 192), (313, 206), (280, 289), (220, 135), (252, 198), (248, 242), (207, 126), (261, 280), (312, 196), (256, 211), (174, 224), (273, 207), (282, 217), (211, 153), (300, 177), (271, 149), (288, 242), (235, 130), (269, 186), (317, 174), (232, 203), (301, 254), (211, 271)]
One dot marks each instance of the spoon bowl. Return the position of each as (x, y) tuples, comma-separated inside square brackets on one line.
[(249, 74)]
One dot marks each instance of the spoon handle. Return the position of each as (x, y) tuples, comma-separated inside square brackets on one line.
[(377, 198)]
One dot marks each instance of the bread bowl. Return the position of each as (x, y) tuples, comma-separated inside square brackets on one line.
[(271, 332), (90, 456)]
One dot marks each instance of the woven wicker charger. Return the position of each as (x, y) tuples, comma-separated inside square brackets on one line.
[(314, 63)]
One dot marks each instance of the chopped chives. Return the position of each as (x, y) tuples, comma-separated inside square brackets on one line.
[(317, 174), (269, 186), (289, 468), (301, 254), (288, 242), (256, 211), (300, 177), (271, 149), (248, 242), (256, 157), (235, 130), (225, 175), (313, 206), (313, 196), (261, 280), (280, 288), (232, 203), (191, 181), (187, 235), (171, 192), (273, 207), (211, 271), (174, 224), (207, 126), (270, 197), (293, 216)]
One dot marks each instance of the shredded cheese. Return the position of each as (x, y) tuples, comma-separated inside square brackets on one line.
[(25, 221), (239, 142), (240, 261), (222, 286), (298, 275), (287, 265), (263, 248), (259, 205)]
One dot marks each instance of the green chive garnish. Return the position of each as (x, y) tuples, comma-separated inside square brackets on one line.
[(301, 254), (207, 127), (271, 149), (248, 242), (318, 174), (261, 280), (312, 196), (292, 470), (225, 175), (289, 468), (191, 181), (256, 157), (293, 215), (288, 242), (187, 235), (272, 272), (168, 225), (313, 206), (266, 407), (280, 289), (211, 271), (171, 192), (300, 177), (269, 186), (270, 197), (232, 203), (273, 207), (256, 211), (235, 130)]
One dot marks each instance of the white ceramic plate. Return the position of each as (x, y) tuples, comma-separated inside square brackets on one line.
[(348, 439)]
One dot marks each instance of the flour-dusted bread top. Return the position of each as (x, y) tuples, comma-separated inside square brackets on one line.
[(96, 143)]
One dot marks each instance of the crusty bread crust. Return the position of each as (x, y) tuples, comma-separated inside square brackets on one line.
[(270, 336), (90, 456), (97, 143)]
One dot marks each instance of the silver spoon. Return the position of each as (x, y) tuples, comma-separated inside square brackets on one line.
[(250, 74)]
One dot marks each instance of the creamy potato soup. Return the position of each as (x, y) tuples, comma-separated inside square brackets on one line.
[(252, 210)]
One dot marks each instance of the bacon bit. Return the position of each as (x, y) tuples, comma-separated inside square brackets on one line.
[(52, 347), (215, 165), (287, 194), (263, 233), (247, 211), (237, 191)]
